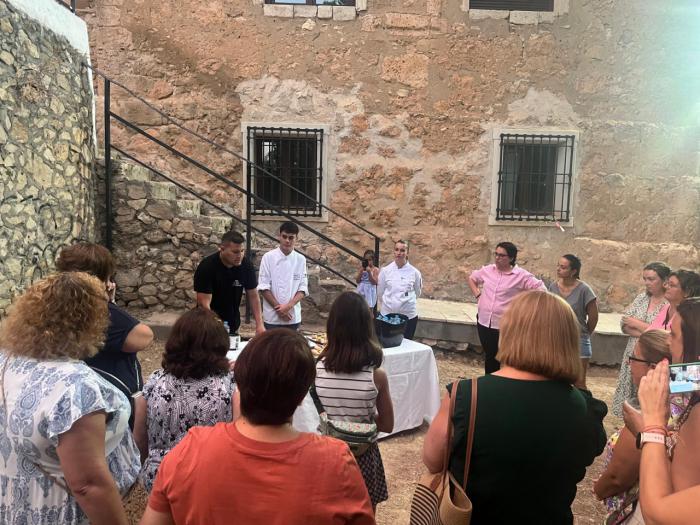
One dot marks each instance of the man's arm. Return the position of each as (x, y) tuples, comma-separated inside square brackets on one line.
[(139, 337), (254, 302)]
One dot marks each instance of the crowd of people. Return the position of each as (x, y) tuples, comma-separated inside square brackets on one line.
[(212, 441)]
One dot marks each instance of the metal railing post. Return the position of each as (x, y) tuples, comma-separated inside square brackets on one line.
[(248, 227), (108, 169)]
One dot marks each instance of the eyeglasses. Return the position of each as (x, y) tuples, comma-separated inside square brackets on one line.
[(499, 255), (651, 364)]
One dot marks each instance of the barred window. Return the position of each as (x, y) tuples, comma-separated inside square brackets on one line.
[(513, 5), (535, 177), (286, 170), (312, 2)]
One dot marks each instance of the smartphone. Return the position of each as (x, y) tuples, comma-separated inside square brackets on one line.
[(685, 377)]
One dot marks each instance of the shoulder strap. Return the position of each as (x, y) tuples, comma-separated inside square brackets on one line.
[(450, 429), (470, 434)]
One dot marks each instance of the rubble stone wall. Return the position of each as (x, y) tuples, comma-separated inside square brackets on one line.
[(46, 141), (412, 92)]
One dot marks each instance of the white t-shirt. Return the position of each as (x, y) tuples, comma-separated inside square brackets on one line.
[(399, 288), (284, 275)]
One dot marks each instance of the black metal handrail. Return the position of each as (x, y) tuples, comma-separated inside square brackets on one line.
[(250, 195), (227, 150), (68, 5), (221, 209)]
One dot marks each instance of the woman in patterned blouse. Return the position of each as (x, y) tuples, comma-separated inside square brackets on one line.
[(193, 388), (635, 321), (65, 444)]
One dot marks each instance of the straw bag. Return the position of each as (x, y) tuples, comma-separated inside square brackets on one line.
[(438, 498)]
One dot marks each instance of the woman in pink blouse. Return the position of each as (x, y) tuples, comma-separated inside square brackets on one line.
[(494, 286)]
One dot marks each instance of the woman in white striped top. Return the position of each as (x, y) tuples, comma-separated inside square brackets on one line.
[(351, 384)]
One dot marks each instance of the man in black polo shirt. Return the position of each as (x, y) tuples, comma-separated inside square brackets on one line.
[(221, 278)]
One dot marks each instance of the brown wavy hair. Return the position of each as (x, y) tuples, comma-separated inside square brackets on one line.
[(539, 333), (197, 346), (63, 315)]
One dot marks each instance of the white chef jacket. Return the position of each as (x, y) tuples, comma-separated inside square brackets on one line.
[(399, 288), (284, 275)]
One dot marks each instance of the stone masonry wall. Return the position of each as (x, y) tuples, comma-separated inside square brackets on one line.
[(412, 92), (46, 153)]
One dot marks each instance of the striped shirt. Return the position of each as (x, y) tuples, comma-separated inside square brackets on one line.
[(347, 397)]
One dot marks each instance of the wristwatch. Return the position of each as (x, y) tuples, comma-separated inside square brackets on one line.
[(650, 437)]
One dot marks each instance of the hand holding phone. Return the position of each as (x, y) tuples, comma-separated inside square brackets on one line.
[(685, 377)]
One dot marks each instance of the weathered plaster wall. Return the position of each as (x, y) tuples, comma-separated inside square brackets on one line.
[(46, 139), (412, 90)]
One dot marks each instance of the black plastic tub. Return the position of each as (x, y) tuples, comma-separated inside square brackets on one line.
[(390, 335)]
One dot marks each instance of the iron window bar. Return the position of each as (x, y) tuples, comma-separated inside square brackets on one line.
[(535, 177), (313, 2), (513, 5), (296, 155)]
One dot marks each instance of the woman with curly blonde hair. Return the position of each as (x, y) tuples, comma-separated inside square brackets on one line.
[(67, 453)]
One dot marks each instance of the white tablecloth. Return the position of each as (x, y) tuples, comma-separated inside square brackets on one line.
[(413, 382)]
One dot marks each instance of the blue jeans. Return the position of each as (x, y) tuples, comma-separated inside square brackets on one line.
[(585, 346)]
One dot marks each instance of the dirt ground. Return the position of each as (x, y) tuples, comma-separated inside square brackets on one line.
[(402, 453)]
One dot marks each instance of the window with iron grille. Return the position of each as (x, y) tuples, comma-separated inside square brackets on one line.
[(513, 5), (312, 2), (535, 177), (286, 170)]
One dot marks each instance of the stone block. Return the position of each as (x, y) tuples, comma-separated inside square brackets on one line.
[(304, 11), (135, 191), (343, 13), (524, 17), (433, 7), (160, 211), (188, 207), (561, 7), (406, 21), (361, 5), (278, 10), (325, 12), (410, 69), (483, 14), (160, 190), (219, 224), (545, 17)]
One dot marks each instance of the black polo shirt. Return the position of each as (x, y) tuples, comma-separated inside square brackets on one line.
[(225, 285)]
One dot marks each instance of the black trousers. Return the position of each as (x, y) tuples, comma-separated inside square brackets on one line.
[(410, 329), (489, 342)]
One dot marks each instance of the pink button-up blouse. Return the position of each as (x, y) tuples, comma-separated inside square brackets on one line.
[(498, 289)]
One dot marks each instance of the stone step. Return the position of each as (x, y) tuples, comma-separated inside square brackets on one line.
[(452, 326)]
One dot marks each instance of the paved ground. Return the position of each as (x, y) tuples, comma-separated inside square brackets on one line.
[(402, 453)]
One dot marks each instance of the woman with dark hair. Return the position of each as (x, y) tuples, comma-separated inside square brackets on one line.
[(116, 360), (635, 320), (582, 301), (352, 386), (680, 285), (194, 387), (259, 469), (494, 286), (367, 279), (670, 463)]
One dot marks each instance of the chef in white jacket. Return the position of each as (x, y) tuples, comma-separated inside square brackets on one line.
[(399, 287)]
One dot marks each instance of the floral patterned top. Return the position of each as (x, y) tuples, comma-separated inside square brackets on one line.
[(625, 389), (176, 405), (42, 400)]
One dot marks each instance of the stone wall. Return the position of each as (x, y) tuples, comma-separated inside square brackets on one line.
[(412, 92), (46, 142)]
